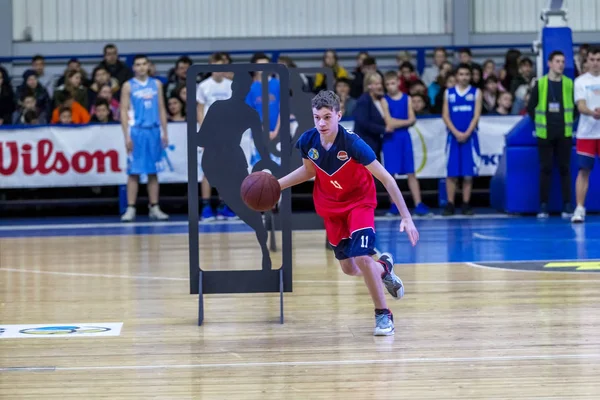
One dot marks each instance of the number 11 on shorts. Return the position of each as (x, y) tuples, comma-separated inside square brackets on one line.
[(364, 242)]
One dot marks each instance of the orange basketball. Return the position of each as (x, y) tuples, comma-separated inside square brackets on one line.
[(260, 191)]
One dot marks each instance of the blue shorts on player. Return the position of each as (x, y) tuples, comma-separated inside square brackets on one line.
[(352, 233), (463, 158), (398, 153), (147, 151)]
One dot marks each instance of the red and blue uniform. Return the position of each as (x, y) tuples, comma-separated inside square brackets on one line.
[(344, 190)]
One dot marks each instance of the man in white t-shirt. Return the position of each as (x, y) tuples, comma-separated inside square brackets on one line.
[(587, 98), (215, 87)]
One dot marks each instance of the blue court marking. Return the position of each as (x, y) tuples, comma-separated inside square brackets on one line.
[(442, 240)]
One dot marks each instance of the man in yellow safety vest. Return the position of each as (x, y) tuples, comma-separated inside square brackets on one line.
[(551, 107)]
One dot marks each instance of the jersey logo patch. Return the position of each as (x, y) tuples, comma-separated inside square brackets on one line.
[(469, 97), (313, 154), (342, 155)]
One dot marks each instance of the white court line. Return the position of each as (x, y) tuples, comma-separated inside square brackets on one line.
[(109, 225), (328, 282), (141, 277), (498, 281), (185, 223), (549, 271), (417, 360), (478, 235)]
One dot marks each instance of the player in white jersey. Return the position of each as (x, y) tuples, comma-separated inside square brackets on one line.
[(587, 98), (215, 87)]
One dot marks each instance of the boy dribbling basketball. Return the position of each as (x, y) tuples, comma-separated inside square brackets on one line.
[(343, 166)]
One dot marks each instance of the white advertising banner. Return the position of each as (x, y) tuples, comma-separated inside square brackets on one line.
[(93, 155), (96, 155), (429, 137)]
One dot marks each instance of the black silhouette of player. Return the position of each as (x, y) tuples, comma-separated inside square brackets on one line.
[(224, 161)]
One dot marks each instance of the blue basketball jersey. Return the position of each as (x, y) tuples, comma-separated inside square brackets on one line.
[(399, 110), (461, 107), (144, 103), (254, 99)]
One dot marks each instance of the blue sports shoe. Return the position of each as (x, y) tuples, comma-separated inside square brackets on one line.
[(393, 211), (422, 210), (208, 214), (225, 213)]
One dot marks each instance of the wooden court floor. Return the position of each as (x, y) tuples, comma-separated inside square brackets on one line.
[(462, 332)]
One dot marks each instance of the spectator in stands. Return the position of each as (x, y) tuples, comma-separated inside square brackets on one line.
[(551, 107), (347, 103), (466, 57), (74, 87), (407, 76), (330, 60), (65, 116), (73, 65), (449, 82), (307, 80), (369, 122), (476, 76), (357, 73), (504, 106), (521, 84), (7, 103), (177, 78), (113, 104), (31, 84), (152, 73), (431, 73), (79, 115), (102, 77), (117, 68), (417, 87), (489, 68), (510, 70), (420, 104), (181, 92), (176, 109), (28, 103), (436, 86), (490, 94), (368, 65), (102, 113), (524, 76), (228, 60), (38, 64), (580, 58), (31, 117)]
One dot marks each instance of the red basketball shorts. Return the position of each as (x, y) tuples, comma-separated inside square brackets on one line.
[(352, 234), (587, 151)]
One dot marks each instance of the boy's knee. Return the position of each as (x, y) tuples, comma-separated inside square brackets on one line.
[(349, 267)]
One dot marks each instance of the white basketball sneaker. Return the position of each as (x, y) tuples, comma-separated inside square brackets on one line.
[(129, 215), (157, 214), (578, 215)]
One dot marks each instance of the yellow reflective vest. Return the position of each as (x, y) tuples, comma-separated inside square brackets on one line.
[(541, 108)]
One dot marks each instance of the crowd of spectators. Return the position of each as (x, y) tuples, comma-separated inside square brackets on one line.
[(79, 97)]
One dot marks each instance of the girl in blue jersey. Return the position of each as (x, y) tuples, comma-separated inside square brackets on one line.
[(461, 112), (397, 146)]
